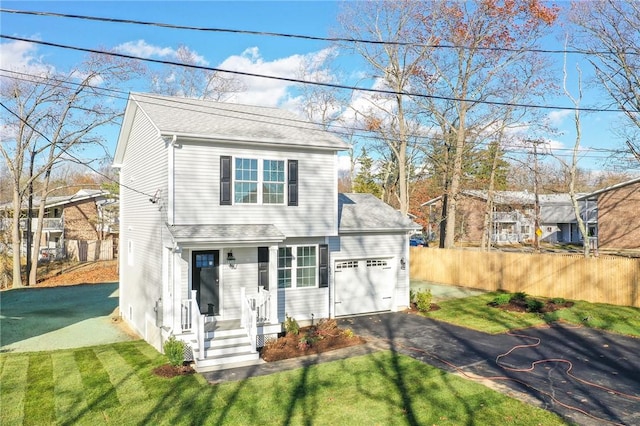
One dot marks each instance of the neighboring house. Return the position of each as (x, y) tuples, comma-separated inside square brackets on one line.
[(81, 216), (513, 217), (231, 221), (618, 211)]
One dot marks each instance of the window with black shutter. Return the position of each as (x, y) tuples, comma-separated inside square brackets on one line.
[(292, 182), (323, 266), (225, 180)]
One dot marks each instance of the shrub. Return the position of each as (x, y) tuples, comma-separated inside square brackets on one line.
[(423, 300), (502, 299), (291, 326), (327, 324), (174, 350), (520, 296), (558, 301), (534, 305), (349, 333)]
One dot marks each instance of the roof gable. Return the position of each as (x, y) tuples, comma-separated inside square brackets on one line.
[(199, 119)]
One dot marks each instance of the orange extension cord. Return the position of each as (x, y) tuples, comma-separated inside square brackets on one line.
[(530, 369)]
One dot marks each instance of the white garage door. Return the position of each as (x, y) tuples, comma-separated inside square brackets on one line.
[(363, 286)]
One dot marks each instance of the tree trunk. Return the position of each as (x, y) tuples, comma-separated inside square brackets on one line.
[(16, 240)]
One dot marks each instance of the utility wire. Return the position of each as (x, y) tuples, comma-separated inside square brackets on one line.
[(66, 151), (309, 37), (256, 117), (315, 83)]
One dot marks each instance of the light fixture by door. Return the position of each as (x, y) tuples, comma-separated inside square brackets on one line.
[(231, 260)]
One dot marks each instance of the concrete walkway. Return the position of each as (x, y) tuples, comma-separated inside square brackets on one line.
[(49, 318)]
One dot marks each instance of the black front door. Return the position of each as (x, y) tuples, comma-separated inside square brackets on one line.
[(205, 281)]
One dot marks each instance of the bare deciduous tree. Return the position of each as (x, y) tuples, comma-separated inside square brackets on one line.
[(48, 117), (189, 82), (609, 30)]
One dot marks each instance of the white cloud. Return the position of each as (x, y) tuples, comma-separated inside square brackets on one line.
[(143, 49), (273, 92), (22, 56), (556, 118)]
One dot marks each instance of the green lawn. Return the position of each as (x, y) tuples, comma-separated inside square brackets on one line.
[(114, 384), (473, 312)]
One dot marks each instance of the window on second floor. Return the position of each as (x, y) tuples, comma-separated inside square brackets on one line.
[(258, 181)]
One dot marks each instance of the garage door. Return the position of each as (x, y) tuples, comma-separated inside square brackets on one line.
[(364, 285)]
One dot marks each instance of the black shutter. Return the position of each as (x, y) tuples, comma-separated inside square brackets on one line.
[(323, 266), (225, 180), (263, 267), (292, 182)]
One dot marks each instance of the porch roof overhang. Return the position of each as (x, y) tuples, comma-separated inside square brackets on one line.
[(232, 233)]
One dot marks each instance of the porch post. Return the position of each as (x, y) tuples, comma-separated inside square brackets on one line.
[(177, 290), (273, 285)]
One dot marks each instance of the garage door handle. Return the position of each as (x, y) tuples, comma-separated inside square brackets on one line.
[(337, 303), (386, 298)]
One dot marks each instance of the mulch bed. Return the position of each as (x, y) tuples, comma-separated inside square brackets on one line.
[(518, 305), (169, 371), (295, 345)]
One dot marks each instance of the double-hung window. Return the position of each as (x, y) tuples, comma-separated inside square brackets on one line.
[(273, 182), (258, 181), (300, 270), (246, 181)]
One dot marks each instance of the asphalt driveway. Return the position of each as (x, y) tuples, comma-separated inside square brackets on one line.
[(43, 319), (587, 376)]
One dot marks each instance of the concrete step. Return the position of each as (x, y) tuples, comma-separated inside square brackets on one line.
[(227, 361)]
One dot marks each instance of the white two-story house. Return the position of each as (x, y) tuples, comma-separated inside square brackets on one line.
[(230, 220)]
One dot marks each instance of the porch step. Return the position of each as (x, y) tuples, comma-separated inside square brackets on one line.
[(224, 349)]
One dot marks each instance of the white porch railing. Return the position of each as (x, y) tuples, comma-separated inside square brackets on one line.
[(186, 321), (196, 321), (248, 321), (262, 305)]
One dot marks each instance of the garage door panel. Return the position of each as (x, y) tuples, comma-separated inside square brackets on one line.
[(363, 286)]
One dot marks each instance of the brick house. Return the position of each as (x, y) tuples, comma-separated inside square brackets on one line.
[(618, 218), (513, 217), (84, 216)]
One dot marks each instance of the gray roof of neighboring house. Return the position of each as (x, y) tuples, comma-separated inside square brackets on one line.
[(83, 194), (516, 197), (365, 212), (225, 122), (597, 193), (225, 233)]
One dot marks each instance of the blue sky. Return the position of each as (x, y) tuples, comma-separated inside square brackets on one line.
[(256, 54)]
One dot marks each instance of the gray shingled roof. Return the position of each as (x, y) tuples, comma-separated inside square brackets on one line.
[(234, 122), (226, 233), (365, 212)]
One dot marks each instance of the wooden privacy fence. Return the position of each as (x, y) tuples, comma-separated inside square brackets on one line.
[(603, 279), (89, 251)]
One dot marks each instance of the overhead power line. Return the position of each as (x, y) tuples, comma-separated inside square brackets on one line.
[(315, 83), (306, 37), (66, 151), (339, 130)]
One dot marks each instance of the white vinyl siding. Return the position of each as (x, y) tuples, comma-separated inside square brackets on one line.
[(140, 224), (197, 190)]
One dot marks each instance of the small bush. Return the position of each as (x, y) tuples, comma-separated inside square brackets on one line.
[(174, 350), (520, 296), (423, 300), (558, 301), (534, 305), (349, 333), (291, 326), (502, 299), (327, 324)]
